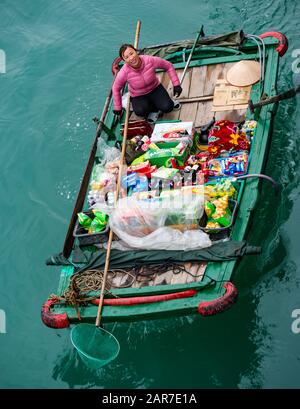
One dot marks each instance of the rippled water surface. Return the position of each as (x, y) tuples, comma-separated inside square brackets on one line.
[(58, 57)]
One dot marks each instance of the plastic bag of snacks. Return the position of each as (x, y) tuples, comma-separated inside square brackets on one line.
[(156, 224), (95, 224), (136, 146), (248, 128), (222, 188), (225, 136), (232, 165), (218, 213), (141, 217), (106, 153)]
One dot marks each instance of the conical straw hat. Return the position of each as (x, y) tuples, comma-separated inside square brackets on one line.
[(244, 73)]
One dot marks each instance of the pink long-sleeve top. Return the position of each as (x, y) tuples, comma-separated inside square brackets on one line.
[(143, 80)]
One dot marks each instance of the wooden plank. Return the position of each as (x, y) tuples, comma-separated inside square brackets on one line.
[(116, 279), (188, 112), (193, 270), (228, 107), (235, 115), (185, 276), (226, 67), (167, 83), (204, 113), (179, 278), (196, 99), (201, 271), (186, 83), (134, 117), (198, 81), (213, 73), (173, 115), (144, 279), (163, 278), (160, 75)]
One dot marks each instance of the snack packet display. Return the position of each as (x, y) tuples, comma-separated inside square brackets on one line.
[(249, 128), (225, 136), (232, 165), (218, 213), (222, 188), (98, 224)]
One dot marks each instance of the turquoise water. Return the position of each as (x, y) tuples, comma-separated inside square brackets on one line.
[(58, 57)]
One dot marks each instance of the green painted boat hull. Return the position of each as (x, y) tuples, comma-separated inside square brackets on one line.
[(223, 293)]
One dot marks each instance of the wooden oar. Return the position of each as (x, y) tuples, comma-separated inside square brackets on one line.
[(276, 98), (95, 345), (107, 259), (200, 33)]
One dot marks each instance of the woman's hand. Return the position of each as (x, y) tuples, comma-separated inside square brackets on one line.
[(177, 90), (118, 112)]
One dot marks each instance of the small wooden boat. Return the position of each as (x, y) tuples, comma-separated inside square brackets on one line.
[(170, 283)]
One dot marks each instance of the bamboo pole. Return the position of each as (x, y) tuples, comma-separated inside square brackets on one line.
[(107, 259)]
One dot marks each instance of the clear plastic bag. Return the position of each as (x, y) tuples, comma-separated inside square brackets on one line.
[(166, 238), (106, 153), (160, 224), (102, 179)]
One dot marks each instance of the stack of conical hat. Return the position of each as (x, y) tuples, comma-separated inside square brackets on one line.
[(244, 73)]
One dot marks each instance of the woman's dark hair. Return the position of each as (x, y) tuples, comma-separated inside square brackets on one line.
[(123, 48)]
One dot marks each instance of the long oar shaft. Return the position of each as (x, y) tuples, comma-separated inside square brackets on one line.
[(276, 98), (110, 237), (69, 240), (190, 57)]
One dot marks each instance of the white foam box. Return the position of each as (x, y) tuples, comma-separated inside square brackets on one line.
[(161, 129)]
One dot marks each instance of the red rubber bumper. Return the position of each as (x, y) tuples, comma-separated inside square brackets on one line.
[(53, 320), (220, 304), (115, 65), (283, 41), (146, 299)]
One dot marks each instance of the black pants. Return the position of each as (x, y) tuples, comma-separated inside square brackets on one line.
[(156, 100)]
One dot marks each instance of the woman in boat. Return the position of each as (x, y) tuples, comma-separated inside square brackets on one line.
[(146, 92)]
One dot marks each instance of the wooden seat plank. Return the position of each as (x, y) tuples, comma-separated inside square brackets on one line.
[(197, 81)]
